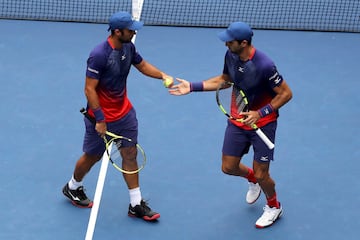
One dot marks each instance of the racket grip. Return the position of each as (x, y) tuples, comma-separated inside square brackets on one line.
[(86, 114), (265, 139)]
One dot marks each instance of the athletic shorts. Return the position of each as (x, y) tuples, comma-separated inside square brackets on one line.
[(237, 142), (127, 126)]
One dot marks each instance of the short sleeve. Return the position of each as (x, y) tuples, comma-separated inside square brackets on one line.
[(95, 65), (273, 76)]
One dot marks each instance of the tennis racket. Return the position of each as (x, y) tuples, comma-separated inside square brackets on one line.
[(229, 96), (113, 144)]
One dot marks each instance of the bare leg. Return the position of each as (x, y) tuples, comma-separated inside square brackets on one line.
[(272, 210), (72, 190), (129, 163), (231, 165), (262, 175), (84, 164)]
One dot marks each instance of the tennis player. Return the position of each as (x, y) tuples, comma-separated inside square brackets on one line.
[(266, 91), (107, 70)]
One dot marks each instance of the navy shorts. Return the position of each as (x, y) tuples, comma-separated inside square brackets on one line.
[(237, 142), (127, 126)]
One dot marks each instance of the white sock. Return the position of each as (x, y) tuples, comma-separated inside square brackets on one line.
[(73, 184), (135, 196)]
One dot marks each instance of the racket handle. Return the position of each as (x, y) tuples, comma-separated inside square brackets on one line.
[(263, 137), (86, 114)]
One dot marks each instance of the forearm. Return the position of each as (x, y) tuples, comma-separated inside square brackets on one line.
[(150, 70), (283, 96), (92, 98), (279, 100), (210, 84), (94, 104)]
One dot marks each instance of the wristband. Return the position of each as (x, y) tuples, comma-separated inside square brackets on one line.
[(99, 115), (196, 87), (266, 110)]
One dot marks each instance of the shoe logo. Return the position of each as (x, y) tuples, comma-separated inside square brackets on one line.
[(73, 197), (132, 212)]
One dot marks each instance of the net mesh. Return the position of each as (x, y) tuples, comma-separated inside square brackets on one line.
[(317, 15), (62, 10)]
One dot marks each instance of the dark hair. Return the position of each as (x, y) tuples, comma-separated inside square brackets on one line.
[(113, 31), (248, 41)]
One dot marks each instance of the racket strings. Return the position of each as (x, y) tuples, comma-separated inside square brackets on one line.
[(115, 155), (239, 103), (116, 159), (231, 100)]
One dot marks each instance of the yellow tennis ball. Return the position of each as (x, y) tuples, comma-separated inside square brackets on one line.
[(168, 82)]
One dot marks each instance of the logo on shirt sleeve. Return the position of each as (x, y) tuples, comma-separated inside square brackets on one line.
[(276, 78), (92, 70)]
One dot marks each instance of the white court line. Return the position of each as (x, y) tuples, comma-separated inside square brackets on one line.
[(97, 197)]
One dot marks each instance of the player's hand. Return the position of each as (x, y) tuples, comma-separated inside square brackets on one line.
[(182, 88), (101, 129), (250, 118), (168, 81)]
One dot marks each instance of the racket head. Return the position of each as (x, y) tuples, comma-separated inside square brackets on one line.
[(231, 100), (114, 144)]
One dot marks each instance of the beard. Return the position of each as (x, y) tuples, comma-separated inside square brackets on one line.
[(124, 40), (237, 51)]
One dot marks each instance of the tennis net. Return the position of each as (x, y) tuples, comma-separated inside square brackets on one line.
[(316, 15)]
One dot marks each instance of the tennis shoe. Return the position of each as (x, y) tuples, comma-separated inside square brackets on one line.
[(269, 216), (253, 193), (77, 196), (143, 211)]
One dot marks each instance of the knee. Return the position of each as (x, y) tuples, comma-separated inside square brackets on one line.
[(228, 168), (128, 153), (261, 176), (90, 159), (225, 169), (230, 165)]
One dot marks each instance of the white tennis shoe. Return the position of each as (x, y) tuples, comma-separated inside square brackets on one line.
[(269, 216), (253, 193)]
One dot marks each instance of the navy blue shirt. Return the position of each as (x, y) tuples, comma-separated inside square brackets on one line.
[(111, 68), (256, 77)]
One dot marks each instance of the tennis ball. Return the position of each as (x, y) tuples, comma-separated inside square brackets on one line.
[(168, 81)]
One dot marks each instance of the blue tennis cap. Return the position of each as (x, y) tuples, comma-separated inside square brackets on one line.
[(236, 31), (123, 20)]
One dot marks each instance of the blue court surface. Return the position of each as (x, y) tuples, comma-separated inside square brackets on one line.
[(42, 69)]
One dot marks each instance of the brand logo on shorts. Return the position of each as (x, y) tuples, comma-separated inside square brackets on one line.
[(264, 159), (118, 143)]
